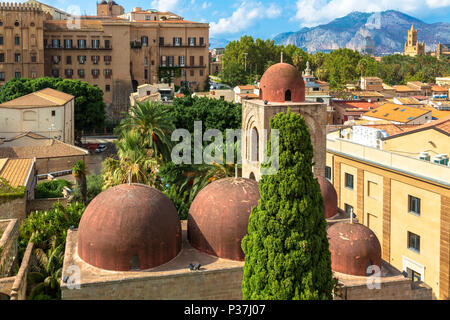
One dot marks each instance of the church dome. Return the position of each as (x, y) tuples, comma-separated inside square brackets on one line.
[(281, 83), (218, 217), (329, 197), (354, 247), (129, 227)]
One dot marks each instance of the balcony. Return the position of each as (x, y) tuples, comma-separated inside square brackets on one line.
[(171, 45), (135, 44), (76, 48)]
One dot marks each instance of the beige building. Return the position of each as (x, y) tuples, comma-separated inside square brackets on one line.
[(223, 94), (404, 200), (47, 112), (159, 45), (371, 84), (412, 46)]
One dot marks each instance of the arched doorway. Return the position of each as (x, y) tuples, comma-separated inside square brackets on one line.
[(288, 95)]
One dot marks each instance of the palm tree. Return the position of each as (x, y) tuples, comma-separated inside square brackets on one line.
[(79, 172), (154, 126)]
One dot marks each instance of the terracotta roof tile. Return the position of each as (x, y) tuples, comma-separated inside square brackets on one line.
[(395, 112), (15, 171), (55, 149), (43, 98)]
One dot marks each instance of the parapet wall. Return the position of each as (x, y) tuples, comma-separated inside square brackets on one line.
[(11, 6), (19, 287), (9, 232)]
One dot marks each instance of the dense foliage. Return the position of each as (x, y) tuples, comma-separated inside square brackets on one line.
[(8, 192), (338, 67), (51, 189), (94, 183), (48, 231), (89, 105), (286, 249)]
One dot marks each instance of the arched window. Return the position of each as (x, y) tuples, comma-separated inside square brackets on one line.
[(287, 95), (260, 94), (254, 145), (252, 176), (29, 116)]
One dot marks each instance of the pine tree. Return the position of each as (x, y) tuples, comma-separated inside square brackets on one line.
[(286, 250)]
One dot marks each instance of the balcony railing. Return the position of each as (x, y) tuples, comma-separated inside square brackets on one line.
[(77, 48), (171, 45), (181, 66)]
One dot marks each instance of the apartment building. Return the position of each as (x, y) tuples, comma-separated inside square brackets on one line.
[(113, 50), (403, 199)]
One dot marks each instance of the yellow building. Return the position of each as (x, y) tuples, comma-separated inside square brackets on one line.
[(404, 200), (47, 112), (412, 46)]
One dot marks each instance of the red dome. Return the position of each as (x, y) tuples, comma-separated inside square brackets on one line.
[(329, 197), (129, 227), (280, 81), (218, 217), (353, 248)]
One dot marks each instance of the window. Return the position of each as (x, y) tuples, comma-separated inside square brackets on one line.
[(1, 40), (177, 41), (68, 59), (2, 57), (170, 60), (81, 73), (328, 173), (16, 23), (287, 95), (145, 61), (56, 59), (33, 58), (53, 113), (145, 74), (55, 73), (413, 205), (55, 43), (144, 41), (201, 72), (108, 73), (18, 75), (107, 44), (82, 43), (81, 59), (192, 60), (413, 275), (201, 60), (2, 76), (191, 73), (181, 61), (95, 73), (202, 41), (17, 57), (348, 180), (95, 43), (163, 61), (161, 41), (349, 209), (17, 40), (68, 72), (107, 88), (147, 17), (95, 59), (254, 145), (372, 189), (107, 59), (413, 242), (191, 42), (67, 43)]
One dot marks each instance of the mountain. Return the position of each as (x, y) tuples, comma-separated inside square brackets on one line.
[(388, 29), (217, 43)]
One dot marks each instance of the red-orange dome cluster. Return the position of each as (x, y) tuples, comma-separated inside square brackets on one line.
[(281, 83), (218, 217), (329, 197), (129, 227), (354, 247)]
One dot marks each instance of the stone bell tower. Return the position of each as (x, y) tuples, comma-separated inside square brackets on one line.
[(281, 87)]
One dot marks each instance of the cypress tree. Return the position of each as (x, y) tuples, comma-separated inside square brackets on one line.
[(286, 249)]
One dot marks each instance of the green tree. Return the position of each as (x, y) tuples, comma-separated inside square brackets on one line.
[(79, 172), (286, 249)]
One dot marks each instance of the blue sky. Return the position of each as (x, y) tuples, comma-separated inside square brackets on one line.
[(266, 18)]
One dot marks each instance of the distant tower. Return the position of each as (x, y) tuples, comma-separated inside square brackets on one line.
[(413, 47), (109, 9)]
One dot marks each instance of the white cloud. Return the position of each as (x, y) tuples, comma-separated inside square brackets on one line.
[(206, 5), (165, 5), (313, 12), (244, 17)]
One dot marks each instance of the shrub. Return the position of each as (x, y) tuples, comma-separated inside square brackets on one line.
[(51, 189), (94, 187)]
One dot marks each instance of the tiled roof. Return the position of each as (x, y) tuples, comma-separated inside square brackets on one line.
[(408, 100), (442, 125), (15, 171), (437, 88), (367, 94), (247, 87), (395, 112), (356, 104), (43, 98), (402, 88), (436, 114), (55, 149), (393, 129)]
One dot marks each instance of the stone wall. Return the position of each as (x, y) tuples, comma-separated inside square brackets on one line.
[(6, 285), (19, 287), (9, 232), (197, 285), (14, 209), (44, 204)]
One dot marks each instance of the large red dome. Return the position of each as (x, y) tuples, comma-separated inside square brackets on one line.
[(129, 227), (329, 197), (282, 83), (218, 217), (354, 247)]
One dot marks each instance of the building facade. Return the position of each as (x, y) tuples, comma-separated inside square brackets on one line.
[(115, 51), (412, 46)]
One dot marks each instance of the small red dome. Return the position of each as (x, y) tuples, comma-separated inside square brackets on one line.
[(329, 197), (218, 217), (129, 227), (281, 83), (353, 247)]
